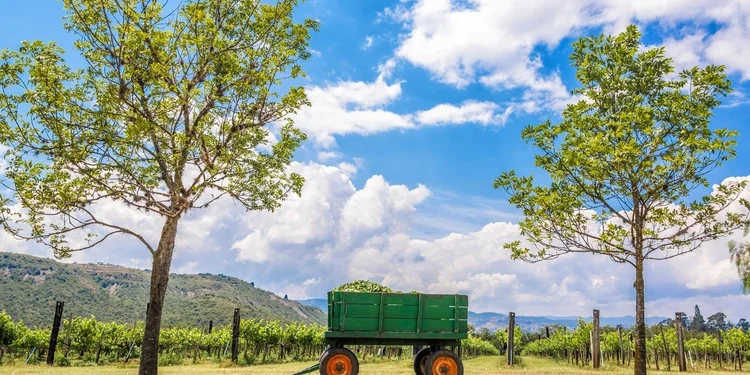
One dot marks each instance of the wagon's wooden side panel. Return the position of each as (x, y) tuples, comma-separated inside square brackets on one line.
[(397, 315)]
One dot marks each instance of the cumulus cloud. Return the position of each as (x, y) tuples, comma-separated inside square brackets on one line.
[(336, 232), (497, 43), (324, 156), (348, 169), (469, 111), (357, 107)]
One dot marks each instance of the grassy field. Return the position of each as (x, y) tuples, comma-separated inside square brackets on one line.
[(477, 366)]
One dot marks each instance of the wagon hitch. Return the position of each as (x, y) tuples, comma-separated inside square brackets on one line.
[(309, 369)]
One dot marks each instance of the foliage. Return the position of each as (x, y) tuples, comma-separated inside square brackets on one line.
[(718, 321), (119, 294), (743, 324), (82, 338), (474, 346), (698, 323), (363, 286), (163, 97), (367, 286), (662, 341), (7, 330), (170, 112), (501, 337), (625, 157), (260, 341), (623, 161), (740, 255)]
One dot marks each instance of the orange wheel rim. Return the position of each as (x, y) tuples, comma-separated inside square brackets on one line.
[(444, 366), (339, 364)]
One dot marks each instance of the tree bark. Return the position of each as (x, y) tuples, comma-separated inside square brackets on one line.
[(640, 317), (159, 280)]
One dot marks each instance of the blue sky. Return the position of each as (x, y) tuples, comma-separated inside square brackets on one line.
[(417, 107)]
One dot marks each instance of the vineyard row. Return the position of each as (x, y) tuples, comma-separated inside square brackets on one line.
[(89, 340), (716, 349)]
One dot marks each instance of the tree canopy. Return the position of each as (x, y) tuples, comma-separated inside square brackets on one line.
[(172, 110), (168, 115), (624, 163)]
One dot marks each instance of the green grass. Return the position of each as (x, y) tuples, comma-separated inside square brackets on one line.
[(476, 366)]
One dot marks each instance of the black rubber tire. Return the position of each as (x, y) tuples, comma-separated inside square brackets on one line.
[(444, 353), (420, 359), (320, 356), (334, 351)]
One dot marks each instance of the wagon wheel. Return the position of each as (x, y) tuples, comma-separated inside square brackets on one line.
[(325, 350), (420, 360), (444, 362), (339, 361)]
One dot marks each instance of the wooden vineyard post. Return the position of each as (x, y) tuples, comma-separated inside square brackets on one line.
[(680, 343), (511, 334), (596, 353), (55, 331), (235, 334), (210, 326), (622, 348)]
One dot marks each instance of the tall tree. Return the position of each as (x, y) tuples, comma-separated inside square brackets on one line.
[(717, 321), (622, 163), (743, 324), (170, 114), (698, 324)]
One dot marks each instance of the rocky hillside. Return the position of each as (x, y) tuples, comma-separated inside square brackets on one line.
[(30, 286)]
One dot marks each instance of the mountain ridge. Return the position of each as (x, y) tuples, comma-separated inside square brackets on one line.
[(31, 285)]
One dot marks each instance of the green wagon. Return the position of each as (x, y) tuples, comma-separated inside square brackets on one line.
[(436, 322)]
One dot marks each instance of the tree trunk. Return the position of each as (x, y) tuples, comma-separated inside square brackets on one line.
[(640, 316), (159, 280)]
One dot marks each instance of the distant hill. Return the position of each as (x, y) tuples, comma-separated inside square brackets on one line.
[(494, 321), (29, 287)]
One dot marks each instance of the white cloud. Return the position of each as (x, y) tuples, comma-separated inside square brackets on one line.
[(336, 232), (490, 41), (348, 169), (710, 275), (498, 43), (469, 111), (350, 108), (357, 107), (188, 268), (372, 240), (685, 52), (324, 156), (368, 42), (311, 282)]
